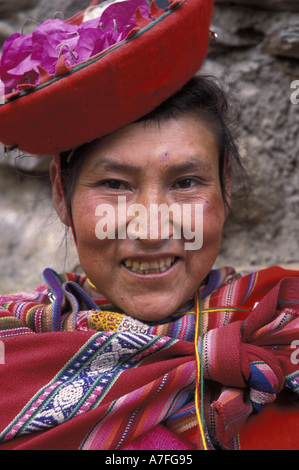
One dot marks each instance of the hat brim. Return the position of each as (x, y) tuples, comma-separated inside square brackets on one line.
[(113, 88)]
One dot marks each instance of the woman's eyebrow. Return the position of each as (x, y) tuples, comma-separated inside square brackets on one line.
[(192, 164), (118, 166)]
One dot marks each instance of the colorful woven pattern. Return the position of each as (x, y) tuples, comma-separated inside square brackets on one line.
[(94, 378)]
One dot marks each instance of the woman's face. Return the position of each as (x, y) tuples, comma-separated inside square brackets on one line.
[(146, 274)]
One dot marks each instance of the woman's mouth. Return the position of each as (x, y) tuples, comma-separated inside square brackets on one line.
[(149, 267)]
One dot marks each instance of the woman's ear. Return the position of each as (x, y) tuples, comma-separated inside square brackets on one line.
[(57, 195)]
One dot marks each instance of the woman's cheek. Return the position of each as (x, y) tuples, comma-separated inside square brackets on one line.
[(213, 218)]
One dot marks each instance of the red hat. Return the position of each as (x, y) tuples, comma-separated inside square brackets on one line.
[(80, 102)]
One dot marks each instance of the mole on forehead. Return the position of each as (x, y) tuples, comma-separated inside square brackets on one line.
[(164, 157)]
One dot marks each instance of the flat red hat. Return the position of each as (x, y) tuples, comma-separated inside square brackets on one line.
[(113, 88)]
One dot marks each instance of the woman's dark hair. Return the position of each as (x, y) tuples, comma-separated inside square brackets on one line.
[(203, 97)]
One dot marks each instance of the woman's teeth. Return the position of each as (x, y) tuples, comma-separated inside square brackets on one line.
[(145, 267)]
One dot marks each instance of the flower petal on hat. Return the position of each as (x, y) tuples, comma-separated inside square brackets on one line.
[(90, 41), (33, 58), (16, 49), (121, 15), (52, 39)]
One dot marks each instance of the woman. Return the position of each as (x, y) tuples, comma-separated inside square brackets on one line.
[(174, 155), (151, 348)]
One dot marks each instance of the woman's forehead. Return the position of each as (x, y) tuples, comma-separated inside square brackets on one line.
[(182, 141)]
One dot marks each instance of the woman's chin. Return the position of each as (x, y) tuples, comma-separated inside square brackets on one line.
[(149, 310)]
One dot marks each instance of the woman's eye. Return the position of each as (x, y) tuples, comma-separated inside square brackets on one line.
[(185, 183), (115, 184)]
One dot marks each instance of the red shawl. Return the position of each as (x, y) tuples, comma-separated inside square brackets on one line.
[(75, 374)]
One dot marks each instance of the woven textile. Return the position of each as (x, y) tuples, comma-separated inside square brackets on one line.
[(80, 375)]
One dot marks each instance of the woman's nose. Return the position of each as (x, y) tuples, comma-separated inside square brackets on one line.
[(153, 219)]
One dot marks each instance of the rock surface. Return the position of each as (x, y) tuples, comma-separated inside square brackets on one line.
[(256, 55), (281, 5)]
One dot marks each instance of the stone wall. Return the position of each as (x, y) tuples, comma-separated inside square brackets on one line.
[(256, 56)]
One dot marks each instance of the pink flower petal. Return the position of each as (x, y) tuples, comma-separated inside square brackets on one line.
[(15, 50), (23, 54), (51, 39), (121, 15)]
